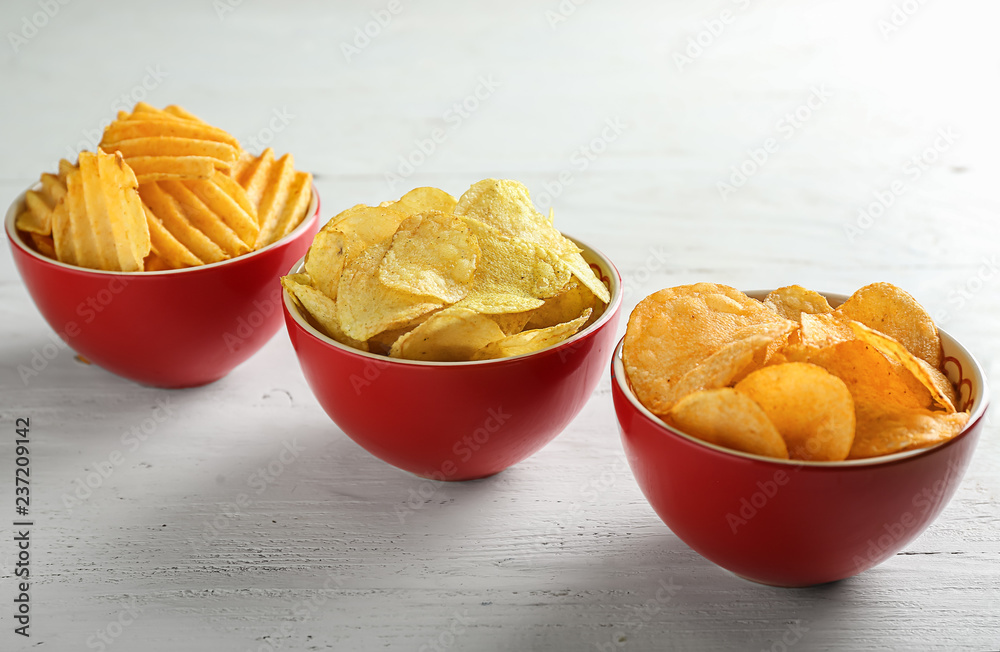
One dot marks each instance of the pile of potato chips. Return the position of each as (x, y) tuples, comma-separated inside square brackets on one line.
[(429, 277), (790, 377), (165, 190)]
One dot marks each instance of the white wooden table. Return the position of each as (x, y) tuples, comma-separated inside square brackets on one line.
[(624, 116)]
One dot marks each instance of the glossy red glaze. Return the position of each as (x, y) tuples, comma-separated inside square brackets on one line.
[(178, 328), (788, 523), (457, 420)]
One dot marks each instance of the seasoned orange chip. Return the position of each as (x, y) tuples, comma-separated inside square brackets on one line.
[(727, 418), (889, 310)]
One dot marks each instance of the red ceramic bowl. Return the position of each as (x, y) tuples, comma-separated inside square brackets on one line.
[(789, 523), (178, 328), (457, 420)]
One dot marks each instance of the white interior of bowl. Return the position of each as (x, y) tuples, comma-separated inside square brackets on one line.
[(951, 347), (589, 254), (16, 207)]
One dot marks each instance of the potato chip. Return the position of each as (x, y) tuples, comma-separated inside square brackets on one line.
[(229, 209), (367, 306), (167, 210), (811, 409), (202, 217), (43, 244), (883, 429), (449, 335), (725, 417), (532, 340), (672, 331), (343, 239), (432, 254), (320, 308), (506, 206), (794, 300), (889, 310), (171, 254), (937, 384), (572, 300), (125, 213), (420, 200), (224, 155), (870, 376), (822, 330), (513, 275)]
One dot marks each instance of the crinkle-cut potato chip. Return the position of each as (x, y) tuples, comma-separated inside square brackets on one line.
[(513, 275), (450, 335), (100, 223), (937, 384), (533, 340), (890, 310), (279, 194), (320, 308), (792, 301), (202, 217), (812, 409), (367, 306), (672, 331), (343, 239), (572, 300), (506, 206), (870, 376), (421, 200), (432, 254), (727, 418), (37, 219), (733, 361), (165, 208), (883, 429)]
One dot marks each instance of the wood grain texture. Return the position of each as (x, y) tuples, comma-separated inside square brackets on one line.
[(338, 551)]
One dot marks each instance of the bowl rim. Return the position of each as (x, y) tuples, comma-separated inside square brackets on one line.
[(980, 404), (312, 215), (610, 310)]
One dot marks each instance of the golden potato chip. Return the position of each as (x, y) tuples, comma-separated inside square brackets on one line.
[(169, 212), (40, 203), (793, 300), (936, 383), (343, 239), (43, 244), (672, 331), (811, 409), (571, 301), (513, 275), (432, 254), (893, 312), (870, 376), (725, 417), (228, 208), (822, 330), (883, 429), (420, 200), (449, 335), (533, 340), (124, 212), (320, 308), (224, 155), (204, 219), (506, 206), (367, 306), (155, 126), (171, 254), (158, 168)]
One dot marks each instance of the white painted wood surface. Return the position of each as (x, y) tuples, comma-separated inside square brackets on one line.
[(561, 552)]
